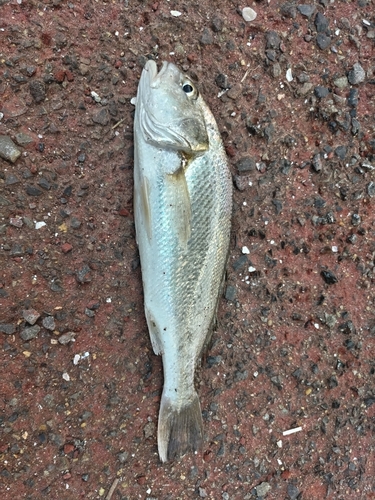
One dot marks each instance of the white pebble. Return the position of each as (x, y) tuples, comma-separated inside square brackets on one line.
[(175, 13), (335, 249), (66, 377), (252, 269), (289, 76), (38, 225), (133, 101), (245, 250), (95, 96), (76, 359), (248, 14)]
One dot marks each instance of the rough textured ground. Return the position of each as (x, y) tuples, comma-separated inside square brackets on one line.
[(295, 344)]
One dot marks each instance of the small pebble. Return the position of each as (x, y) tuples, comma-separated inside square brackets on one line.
[(8, 150), (65, 338), (323, 41), (248, 14), (262, 489), (7, 328), (175, 13), (31, 316), (356, 75), (49, 323), (30, 333), (306, 10)]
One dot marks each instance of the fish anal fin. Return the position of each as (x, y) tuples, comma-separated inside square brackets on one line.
[(154, 332), (180, 430)]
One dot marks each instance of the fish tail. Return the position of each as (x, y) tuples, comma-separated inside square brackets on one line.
[(180, 430)]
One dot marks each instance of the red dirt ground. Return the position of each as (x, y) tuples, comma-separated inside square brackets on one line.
[(295, 343)]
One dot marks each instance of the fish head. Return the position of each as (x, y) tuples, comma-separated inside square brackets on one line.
[(171, 109)]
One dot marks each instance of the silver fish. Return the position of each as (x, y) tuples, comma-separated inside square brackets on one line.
[(182, 207)]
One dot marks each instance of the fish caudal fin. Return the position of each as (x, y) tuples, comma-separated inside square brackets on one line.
[(180, 430)]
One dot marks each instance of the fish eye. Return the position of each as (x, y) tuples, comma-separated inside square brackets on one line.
[(187, 88)]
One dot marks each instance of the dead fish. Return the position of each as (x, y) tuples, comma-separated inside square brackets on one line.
[(182, 207)]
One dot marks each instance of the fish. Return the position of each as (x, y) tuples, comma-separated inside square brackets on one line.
[(182, 214)]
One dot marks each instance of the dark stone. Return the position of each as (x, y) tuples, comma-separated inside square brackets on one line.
[(33, 191), (371, 189), (30, 333), (37, 90), (17, 250), (353, 98), (213, 360), (321, 23), (356, 74), (206, 38), (321, 92), (217, 24), (323, 41), (230, 293), (272, 40), (82, 274), (240, 263), (7, 328), (292, 491), (222, 81), (246, 164), (101, 117), (278, 206), (271, 55), (288, 10), (306, 10), (341, 151), (44, 183), (329, 277), (317, 163)]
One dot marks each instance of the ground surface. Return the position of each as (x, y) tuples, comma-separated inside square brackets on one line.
[(295, 343)]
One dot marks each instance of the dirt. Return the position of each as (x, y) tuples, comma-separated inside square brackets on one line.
[(80, 385)]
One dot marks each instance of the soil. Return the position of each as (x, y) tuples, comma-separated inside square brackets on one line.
[(293, 95)]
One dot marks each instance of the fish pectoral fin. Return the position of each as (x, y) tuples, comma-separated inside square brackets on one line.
[(154, 332), (144, 206), (181, 207)]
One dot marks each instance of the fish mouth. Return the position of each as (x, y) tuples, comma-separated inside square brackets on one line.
[(152, 71)]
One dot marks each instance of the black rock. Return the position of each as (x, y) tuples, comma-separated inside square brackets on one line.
[(288, 9), (33, 191), (317, 163), (30, 333), (7, 328), (353, 98), (222, 81), (306, 10), (217, 24), (323, 41), (329, 277), (272, 40), (44, 183), (240, 263), (371, 189), (230, 293), (341, 151), (321, 23), (321, 91), (292, 491), (82, 274), (206, 38), (37, 90), (278, 206), (101, 117), (246, 164), (271, 55)]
